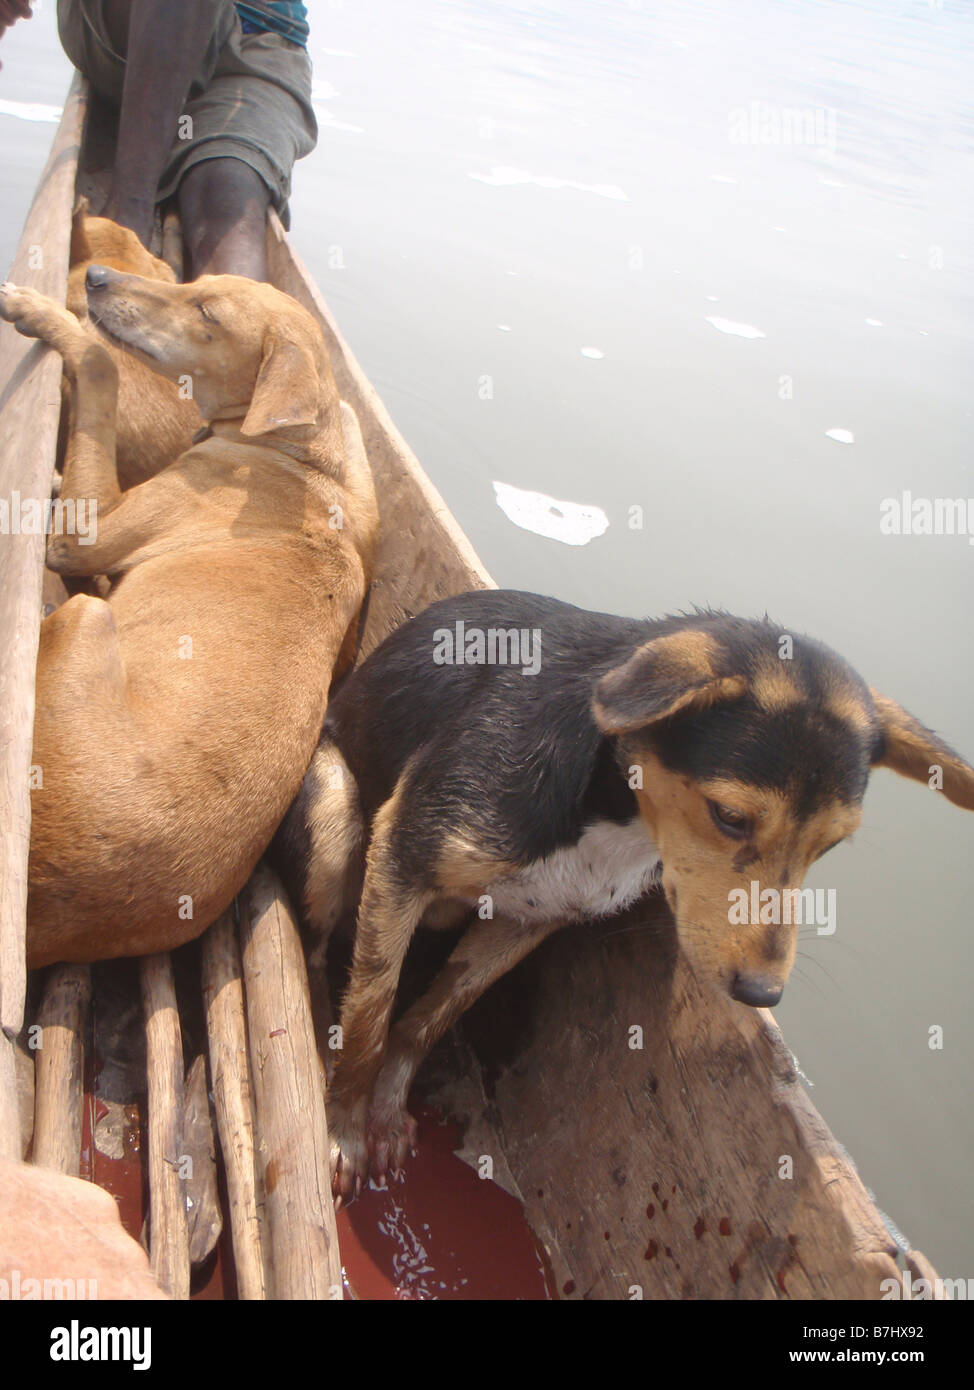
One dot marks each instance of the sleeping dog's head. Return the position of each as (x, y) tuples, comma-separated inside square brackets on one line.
[(754, 751), (250, 353), (99, 240)]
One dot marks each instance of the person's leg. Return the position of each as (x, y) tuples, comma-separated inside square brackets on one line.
[(250, 124), (165, 47), (223, 206)]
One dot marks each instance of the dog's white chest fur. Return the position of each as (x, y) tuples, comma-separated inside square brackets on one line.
[(607, 870)]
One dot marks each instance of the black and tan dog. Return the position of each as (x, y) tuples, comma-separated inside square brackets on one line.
[(702, 753), (175, 721)]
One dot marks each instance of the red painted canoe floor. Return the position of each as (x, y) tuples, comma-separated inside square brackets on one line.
[(442, 1232)]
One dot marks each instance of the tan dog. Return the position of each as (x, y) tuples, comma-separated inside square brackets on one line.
[(156, 417), (176, 719)]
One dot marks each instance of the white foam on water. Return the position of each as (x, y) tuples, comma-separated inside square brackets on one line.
[(722, 178), (841, 436), (325, 118), (572, 523), (504, 327), (591, 352), (338, 53), (737, 330), (323, 91), (503, 176), (875, 323), (30, 110)]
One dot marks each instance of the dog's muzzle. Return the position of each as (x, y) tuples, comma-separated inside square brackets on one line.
[(99, 277)]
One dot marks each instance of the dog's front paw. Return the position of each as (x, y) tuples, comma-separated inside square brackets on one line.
[(390, 1139), (27, 309), (34, 314), (349, 1151)]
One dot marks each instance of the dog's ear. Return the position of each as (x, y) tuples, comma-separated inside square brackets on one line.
[(80, 249), (666, 676), (288, 387), (913, 751)]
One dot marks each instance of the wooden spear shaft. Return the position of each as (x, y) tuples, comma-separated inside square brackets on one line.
[(59, 1069), (168, 1232), (292, 1132), (223, 998)]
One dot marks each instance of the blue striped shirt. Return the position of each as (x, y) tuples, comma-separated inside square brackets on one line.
[(285, 17)]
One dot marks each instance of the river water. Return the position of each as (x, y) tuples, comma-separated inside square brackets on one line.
[(702, 272)]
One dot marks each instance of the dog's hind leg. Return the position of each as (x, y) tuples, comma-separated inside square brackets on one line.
[(391, 909), (488, 950), (317, 852), (85, 742)]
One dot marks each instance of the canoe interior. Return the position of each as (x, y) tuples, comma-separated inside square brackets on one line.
[(660, 1140)]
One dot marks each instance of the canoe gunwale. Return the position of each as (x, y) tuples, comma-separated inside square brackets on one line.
[(30, 384), (30, 393)]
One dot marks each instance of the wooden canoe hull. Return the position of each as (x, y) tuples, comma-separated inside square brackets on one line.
[(659, 1138)]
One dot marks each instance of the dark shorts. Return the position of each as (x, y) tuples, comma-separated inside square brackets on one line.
[(251, 99)]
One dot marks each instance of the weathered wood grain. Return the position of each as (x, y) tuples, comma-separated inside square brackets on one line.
[(226, 1024), (59, 1068), (291, 1129), (30, 404), (9, 1103), (683, 1160), (168, 1230), (203, 1214)]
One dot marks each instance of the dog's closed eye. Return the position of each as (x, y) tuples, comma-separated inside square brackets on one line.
[(207, 312), (734, 824)]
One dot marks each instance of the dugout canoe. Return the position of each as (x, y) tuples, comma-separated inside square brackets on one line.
[(661, 1142)]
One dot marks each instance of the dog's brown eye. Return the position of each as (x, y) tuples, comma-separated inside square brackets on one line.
[(733, 823)]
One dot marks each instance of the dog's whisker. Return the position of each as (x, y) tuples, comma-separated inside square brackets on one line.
[(799, 974), (630, 928), (811, 960)]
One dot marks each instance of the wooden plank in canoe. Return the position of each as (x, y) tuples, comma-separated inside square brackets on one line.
[(30, 387), (660, 1137)]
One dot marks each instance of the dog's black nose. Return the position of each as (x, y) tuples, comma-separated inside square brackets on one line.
[(760, 991), (98, 276)]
